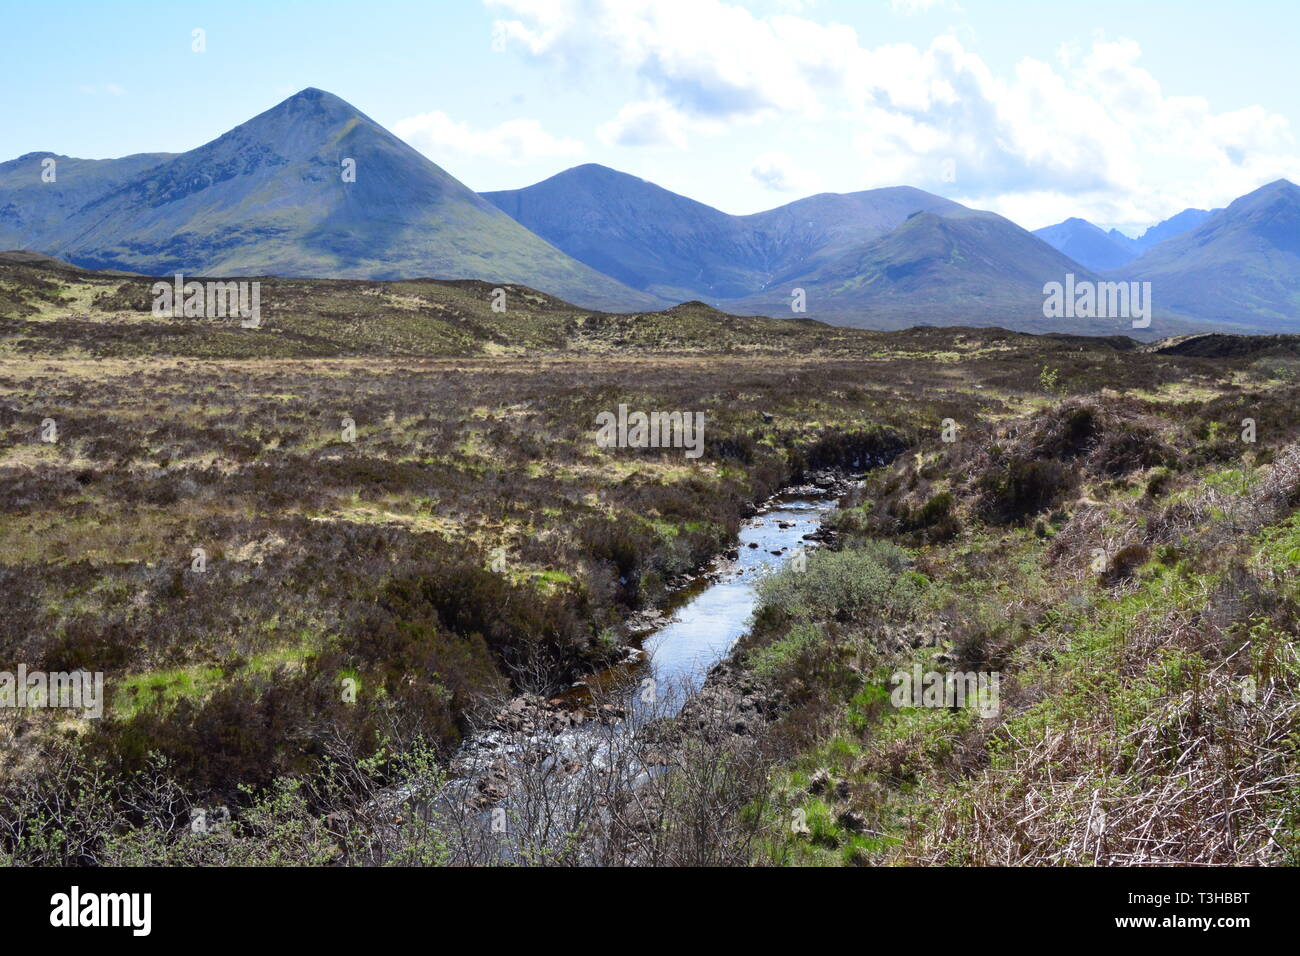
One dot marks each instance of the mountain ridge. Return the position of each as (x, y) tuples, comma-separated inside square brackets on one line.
[(269, 196), (1087, 244), (1240, 265), (1103, 250), (976, 268), (668, 244)]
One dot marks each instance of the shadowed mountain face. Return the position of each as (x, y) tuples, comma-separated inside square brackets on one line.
[(882, 258), (269, 197), (1088, 245), (1173, 226), (809, 233), (1100, 251), (972, 266), (661, 242), (1240, 265), (639, 233)]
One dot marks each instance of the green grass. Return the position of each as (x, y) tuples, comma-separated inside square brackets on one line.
[(163, 689)]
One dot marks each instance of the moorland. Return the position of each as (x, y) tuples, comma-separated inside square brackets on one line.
[(395, 485)]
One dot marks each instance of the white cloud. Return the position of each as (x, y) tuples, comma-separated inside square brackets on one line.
[(778, 172), (706, 57), (514, 141), (1094, 125), (648, 123)]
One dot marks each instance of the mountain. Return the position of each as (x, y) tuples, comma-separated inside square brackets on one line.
[(658, 241), (33, 211), (269, 197), (1088, 245), (964, 268), (881, 258), (1132, 248), (639, 233), (807, 233), (1173, 226), (1240, 266)]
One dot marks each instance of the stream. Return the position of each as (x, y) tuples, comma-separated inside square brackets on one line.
[(672, 659), (546, 769), (709, 622)]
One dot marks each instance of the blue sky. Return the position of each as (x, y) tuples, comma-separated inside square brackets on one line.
[(1120, 112)]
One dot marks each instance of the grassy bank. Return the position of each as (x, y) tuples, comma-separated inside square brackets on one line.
[(1128, 570)]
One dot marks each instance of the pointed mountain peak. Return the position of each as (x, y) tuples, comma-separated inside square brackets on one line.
[(310, 125), (1088, 244), (313, 94), (313, 105), (1281, 185), (312, 100)]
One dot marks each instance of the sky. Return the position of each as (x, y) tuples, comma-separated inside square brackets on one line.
[(1122, 113)]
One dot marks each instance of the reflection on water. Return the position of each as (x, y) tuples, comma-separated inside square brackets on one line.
[(707, 626)]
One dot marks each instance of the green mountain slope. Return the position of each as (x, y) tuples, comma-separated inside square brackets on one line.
[(269, 197), (34, 211)]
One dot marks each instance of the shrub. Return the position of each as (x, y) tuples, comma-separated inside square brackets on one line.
[(1022, 488), (1158, 482), (857, 583)]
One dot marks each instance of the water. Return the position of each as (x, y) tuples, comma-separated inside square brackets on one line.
[(554, 783), (704, 621), (704, 629)]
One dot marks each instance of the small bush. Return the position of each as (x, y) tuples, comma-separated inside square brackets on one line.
[(857, 583), (1022, 488), (1158, 482)]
